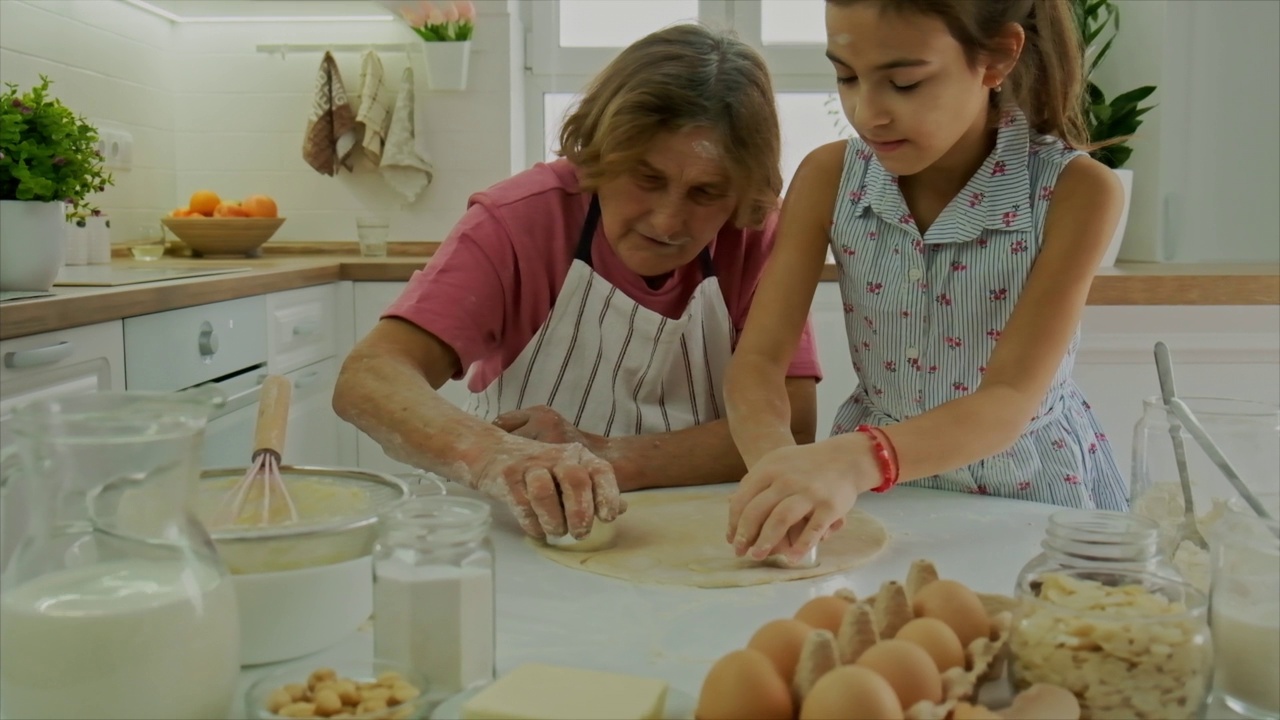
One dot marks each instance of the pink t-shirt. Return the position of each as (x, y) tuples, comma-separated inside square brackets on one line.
[(493, 281)]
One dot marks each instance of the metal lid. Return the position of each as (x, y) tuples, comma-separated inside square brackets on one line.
[(327, 500)]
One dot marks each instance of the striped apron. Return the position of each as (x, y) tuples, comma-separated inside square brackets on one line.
[(612, 367)]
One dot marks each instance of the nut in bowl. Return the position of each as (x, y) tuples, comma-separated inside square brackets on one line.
[(223, 235), (351, 690)]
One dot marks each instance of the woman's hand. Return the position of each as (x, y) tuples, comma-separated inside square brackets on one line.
[(552, 489), (794, 497)]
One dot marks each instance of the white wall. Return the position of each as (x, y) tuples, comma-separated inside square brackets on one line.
[(241, 117), (109, 62), (1207, 160)]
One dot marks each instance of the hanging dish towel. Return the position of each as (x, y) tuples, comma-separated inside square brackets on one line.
[(375, 111), (403, 167), (331, 128)]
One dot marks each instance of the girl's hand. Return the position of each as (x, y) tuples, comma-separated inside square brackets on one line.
[(796, 496)]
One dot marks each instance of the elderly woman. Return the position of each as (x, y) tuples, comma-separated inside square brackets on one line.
[(592, 303)]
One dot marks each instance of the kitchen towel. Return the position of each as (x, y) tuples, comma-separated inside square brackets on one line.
[(375, 111), (403, 167), (330, 133)]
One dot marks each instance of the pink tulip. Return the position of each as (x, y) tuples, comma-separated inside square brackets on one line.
[(450, 13), (414, 16), (466, 10)]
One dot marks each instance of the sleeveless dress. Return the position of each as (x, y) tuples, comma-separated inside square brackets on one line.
[(924, 313)]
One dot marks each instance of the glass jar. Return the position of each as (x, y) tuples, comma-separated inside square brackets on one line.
[(1245, 608), (1127, 644), (1247, 432), (433, 591), (1099, 539), (115, 603)]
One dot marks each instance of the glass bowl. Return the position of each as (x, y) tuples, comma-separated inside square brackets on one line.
[(1127, 643), (367, 682)]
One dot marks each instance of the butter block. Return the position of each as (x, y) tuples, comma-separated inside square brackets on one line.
[(549, 692)]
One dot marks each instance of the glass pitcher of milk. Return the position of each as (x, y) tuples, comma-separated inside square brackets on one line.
[(115, 603)]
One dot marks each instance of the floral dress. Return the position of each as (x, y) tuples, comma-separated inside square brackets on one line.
[(924, 313)]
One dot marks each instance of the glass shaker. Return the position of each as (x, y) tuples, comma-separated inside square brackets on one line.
[(433, 592), (1099, 539), (115, 603), (1245, 609), (1247, 432)]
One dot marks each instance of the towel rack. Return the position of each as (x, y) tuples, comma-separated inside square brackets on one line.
[(284, 48)]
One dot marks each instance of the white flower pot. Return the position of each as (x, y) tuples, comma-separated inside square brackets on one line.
[(447, 64), (77, 242), (1113, 250), (99, 240), (30, 244)]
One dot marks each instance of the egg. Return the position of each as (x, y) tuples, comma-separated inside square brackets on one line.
[(744, 685), (825, 612), (850, 692), (955, 605), (781, 641), (965, 711), (907, 668), (936, 638)]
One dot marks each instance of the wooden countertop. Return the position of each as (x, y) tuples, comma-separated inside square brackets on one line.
[(1125, 284)]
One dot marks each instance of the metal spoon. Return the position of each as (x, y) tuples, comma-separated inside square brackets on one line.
[(1188, 529), (1211, 449)]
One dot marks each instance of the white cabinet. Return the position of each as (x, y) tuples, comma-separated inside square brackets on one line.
[(304, 333), (55, 364)]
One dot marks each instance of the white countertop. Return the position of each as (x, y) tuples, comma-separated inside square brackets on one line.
[(553, 614)]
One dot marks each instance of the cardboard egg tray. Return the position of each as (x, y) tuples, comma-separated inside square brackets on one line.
[(868, 621)]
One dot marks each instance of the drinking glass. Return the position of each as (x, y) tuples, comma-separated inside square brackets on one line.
[(372, 232)]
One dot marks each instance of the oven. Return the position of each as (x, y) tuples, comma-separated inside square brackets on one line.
[(222, 344)]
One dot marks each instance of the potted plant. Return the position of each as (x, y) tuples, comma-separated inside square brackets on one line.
[(1110, 123), (445, 27), (49, 165)]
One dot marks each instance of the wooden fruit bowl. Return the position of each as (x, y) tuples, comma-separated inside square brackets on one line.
[(223, 236)]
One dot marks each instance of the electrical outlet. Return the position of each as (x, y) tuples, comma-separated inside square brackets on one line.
[(116, 146)]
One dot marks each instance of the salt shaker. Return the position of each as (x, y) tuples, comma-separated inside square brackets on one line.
[(433, 591)]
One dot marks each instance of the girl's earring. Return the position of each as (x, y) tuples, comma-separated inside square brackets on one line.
[(998, 88)]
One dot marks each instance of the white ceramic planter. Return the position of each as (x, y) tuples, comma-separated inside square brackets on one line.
[(31, 244), (1113, 250), (99, 240), (447, 64)]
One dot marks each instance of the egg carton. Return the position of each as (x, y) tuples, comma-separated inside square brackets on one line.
[(870, 620)]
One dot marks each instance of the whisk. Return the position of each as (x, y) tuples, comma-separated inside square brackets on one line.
[(262, 486)]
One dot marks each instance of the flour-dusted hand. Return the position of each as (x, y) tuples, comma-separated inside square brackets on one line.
[(796, 496), (553, 489)]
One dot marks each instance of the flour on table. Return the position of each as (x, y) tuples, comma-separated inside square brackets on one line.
[(678, 539)]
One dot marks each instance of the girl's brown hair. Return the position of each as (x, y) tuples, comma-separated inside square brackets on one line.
[(681, 77), (1048, 81)]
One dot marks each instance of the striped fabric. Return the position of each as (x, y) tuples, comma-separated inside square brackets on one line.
[(923, 314), (612, 367)]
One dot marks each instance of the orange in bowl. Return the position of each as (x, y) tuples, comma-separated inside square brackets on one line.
[(260, 206), (204, 202)]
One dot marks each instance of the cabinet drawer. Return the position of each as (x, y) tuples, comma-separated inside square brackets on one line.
[(177, 349), (300, 327), (34, 359)]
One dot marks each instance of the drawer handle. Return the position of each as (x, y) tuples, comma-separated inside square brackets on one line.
[(35, 357), (306, 380), (305, 329), (207, 343)]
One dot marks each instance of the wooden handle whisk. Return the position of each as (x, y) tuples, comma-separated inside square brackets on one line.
[(273, 416)]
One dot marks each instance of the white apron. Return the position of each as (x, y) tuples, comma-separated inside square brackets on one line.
[(612, 367)]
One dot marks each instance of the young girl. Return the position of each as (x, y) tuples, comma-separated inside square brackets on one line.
[(966, 223)]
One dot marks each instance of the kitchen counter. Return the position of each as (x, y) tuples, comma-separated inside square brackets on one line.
[(1125, 284), (676, 633)]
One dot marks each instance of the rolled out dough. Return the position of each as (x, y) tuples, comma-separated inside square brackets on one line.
[(678, 539)]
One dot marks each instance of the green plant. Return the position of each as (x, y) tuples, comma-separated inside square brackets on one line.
[(47, 152), (453, 21), (1110, 124)]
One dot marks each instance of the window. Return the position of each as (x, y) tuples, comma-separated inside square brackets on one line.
[(574, 39)]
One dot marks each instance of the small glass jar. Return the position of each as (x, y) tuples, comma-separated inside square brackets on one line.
[(1099, 539), (1127, 644), (1248, 433), (433, 591), (1245, 608)]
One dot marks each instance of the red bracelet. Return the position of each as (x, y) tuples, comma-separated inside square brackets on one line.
[(886, 457)]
